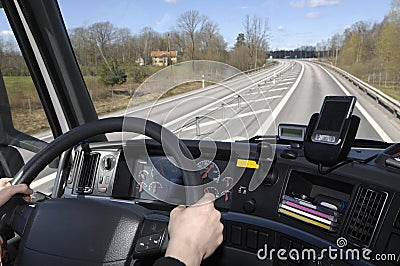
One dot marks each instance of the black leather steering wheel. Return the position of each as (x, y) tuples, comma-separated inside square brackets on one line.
[(126, 224)]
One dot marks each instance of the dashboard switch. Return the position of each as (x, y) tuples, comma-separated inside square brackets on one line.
[(262, 239), (251, 241), (148, 243), (236, 235), (249, 206)]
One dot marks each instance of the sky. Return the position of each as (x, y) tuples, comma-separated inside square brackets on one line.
[(292, 23)]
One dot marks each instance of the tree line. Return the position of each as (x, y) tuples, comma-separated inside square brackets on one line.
[(368, 50), (110, 52)]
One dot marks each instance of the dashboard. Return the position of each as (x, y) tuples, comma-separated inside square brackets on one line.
[(294, 207)]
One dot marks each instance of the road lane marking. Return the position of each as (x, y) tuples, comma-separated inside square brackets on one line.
[(278, 68), (222, 121), (271, 119), (364, 112), (226, 82), (278, 89), (193, 113)]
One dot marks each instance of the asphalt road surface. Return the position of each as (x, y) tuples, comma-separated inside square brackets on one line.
[(252, 105)]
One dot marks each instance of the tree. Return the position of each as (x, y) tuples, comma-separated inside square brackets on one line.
[(191, 22), (256, 37), (103, 35), (148, 41), (112, 74), (240, 40)]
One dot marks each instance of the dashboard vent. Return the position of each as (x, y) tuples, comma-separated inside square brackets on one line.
[(88, 168), (364, 216)]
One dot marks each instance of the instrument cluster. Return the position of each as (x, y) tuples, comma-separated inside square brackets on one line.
[(156, 177)]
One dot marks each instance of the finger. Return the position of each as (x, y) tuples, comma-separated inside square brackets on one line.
[(207, 198), (5, 180), (20, 188)]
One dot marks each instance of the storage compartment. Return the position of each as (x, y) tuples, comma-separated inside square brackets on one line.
[(315, 200), (311, 186)]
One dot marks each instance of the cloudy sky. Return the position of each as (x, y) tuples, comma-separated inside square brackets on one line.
[(292, 23)]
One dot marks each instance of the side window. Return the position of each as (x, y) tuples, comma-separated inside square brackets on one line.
[(27, 111), (22, 108)]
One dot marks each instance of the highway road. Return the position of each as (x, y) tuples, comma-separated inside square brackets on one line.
[(252, 105)]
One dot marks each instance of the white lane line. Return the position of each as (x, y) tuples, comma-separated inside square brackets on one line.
[(43, 180), (207, 106), (271, 119), (149, 105), (247, 102), (222, 121), (278, 83), (364, 112), (193, 113), (278, 89), (246, 77)]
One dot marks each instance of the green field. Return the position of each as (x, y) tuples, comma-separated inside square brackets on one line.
[(28, 114)]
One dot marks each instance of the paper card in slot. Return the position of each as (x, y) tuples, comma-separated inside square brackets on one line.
[(312, 206), (306, 214), (305, 219), (311, 211)]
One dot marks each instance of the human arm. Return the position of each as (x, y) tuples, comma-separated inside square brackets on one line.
[(195, 232)]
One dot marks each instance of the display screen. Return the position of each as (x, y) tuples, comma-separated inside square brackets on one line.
[(292, 133), (333, 115)]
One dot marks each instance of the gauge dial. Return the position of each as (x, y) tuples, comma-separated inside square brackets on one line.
[(209, 170), (154, 187), (212, 190), (144, 174), (140, 186), (228, 181), (226, 195)]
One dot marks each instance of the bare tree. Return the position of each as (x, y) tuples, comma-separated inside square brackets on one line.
[(256, 36), (103, 34), (190, 22)]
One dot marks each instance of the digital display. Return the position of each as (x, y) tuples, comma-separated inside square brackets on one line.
[(333, 116), (292, 132)]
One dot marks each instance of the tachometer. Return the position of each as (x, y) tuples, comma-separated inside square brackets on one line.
[(209, 170)]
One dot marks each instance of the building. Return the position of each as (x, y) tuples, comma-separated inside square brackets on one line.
[(139, 61), (164, 58)]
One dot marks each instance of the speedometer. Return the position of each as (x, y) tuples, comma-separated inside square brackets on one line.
[(209, 171)]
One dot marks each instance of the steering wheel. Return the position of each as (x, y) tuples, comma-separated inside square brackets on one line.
[(82, 231)]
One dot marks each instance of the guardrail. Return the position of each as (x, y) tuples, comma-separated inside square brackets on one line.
[(381, 98)]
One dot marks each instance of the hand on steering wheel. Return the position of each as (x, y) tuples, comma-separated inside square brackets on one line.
[(7, 191), (195, 232)]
